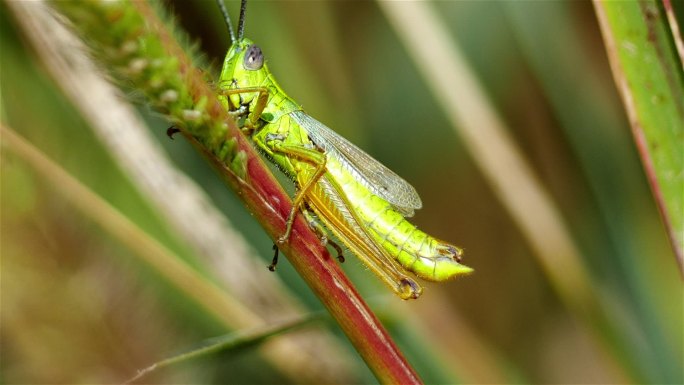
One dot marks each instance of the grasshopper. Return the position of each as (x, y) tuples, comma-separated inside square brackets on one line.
[(361, 202)]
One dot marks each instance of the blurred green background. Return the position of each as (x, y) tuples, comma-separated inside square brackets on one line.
[(78, 308)]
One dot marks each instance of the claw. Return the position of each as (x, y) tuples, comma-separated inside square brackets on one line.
[(409, 289), (274, 262), (171, 131)]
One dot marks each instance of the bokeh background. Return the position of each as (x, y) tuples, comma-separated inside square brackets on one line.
[(78, 307)]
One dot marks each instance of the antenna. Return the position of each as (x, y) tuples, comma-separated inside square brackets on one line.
[(241, 22), (226, 17)]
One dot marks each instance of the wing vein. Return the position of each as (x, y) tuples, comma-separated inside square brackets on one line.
[(379, 179)]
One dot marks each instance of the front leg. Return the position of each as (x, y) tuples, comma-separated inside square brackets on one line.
[(259, 105)]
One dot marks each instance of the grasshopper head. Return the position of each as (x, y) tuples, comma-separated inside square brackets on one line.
[(243, 67)]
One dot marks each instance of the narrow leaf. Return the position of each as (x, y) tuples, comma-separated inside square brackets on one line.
[(648, 74)]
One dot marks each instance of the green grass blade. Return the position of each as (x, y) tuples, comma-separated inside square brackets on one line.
[(233, 342), (648, 74)]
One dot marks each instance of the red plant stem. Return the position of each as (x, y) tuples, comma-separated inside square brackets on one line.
[(269, 203)]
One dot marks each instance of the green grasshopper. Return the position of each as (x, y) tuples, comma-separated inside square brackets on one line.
[(363, 203)]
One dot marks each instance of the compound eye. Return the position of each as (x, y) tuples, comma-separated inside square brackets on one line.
[(254, 58)]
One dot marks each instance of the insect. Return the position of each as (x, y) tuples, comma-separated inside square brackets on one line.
[(360, 201)]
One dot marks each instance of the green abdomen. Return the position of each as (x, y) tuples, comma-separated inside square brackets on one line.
[(424, 255)]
